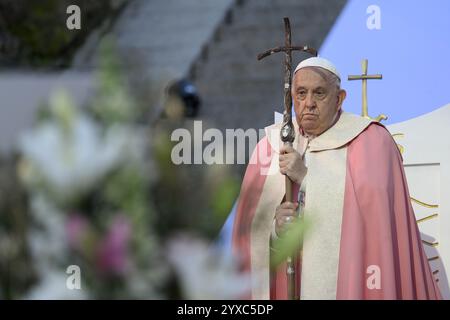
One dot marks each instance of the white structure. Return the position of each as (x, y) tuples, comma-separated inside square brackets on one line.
[(425, 145)]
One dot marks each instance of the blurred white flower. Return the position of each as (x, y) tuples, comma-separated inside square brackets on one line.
[(47, 241), (206, 273), (70, 156), (52, 286)]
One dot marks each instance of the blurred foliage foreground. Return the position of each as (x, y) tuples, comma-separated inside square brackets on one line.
[(92, 189)]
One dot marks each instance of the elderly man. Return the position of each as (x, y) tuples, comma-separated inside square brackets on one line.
[(349, 180)]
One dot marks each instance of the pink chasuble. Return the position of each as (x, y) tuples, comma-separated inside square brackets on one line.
[(379, 233)]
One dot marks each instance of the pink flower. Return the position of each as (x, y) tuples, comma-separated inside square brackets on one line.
[(113, 250), (76, 229)]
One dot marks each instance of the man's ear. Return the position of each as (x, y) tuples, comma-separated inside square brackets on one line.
[(341, 97)]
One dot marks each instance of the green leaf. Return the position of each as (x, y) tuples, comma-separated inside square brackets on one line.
[(290, 241)]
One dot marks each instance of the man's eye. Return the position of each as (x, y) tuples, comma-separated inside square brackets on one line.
[(320, 94)]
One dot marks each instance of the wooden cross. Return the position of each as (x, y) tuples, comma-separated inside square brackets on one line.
[(287, 132), (364, 77)]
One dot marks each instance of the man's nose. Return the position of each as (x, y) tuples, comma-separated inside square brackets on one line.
[(310, 103)]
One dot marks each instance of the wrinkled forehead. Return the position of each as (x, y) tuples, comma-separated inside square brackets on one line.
[(312, 76)]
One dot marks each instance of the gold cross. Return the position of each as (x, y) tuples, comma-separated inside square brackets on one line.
[(364, 77)]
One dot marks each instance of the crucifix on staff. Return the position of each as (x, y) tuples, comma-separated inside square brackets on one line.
[(287, 133)]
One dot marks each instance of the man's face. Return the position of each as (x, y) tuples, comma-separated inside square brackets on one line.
[(316, 100)]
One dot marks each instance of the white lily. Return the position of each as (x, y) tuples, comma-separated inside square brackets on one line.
[(70, 156), (206, 273)]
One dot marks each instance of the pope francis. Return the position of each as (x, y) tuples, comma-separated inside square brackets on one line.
[(348, 177)]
